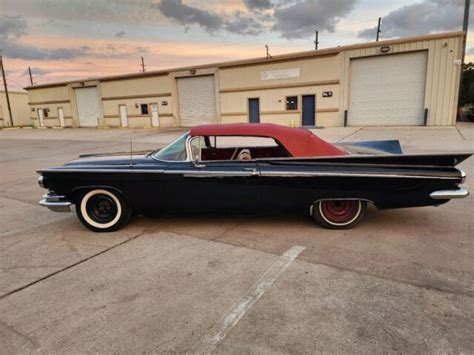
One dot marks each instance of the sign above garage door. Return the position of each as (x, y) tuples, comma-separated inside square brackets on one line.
[(388, 90), (197, 100)]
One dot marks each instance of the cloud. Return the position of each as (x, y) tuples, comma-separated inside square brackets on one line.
[(13, 28), (106, 11), (420, 18), (300, 19), (244, 24), (470, 51), (258, 4), (239, 22), (185, 15), (120, 34)]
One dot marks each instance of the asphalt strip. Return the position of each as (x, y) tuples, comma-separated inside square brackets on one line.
[(208, 343)]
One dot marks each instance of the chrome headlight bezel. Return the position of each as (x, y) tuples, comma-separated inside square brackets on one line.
[(463, 176), (41, 181)]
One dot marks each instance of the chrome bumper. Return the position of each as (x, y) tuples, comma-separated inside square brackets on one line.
[(56, 203), (449, 194)]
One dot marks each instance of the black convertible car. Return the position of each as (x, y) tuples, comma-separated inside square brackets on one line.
[(252, 168)]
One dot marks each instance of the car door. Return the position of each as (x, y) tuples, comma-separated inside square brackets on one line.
[(222, 186)]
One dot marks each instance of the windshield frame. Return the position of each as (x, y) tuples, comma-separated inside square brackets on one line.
[(186, 147)]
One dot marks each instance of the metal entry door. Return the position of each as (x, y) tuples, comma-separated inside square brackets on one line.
[(155, 119), (62, 123), (254, 110), (309, 106), (123, 116), (41, 117)]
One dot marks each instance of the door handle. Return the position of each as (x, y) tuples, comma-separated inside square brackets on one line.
[(254, 171)]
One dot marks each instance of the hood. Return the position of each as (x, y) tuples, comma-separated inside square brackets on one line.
[(109, 159)]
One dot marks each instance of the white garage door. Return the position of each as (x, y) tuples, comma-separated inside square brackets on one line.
[(388, 90), (197, 100), (87, 106)]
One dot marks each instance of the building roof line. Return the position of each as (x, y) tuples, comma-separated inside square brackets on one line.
[(260, 60)]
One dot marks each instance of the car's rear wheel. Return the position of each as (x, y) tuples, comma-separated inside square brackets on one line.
[(339, 214), (102, 210)]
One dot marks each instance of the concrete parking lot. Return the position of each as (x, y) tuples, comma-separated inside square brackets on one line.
[(402, 281)]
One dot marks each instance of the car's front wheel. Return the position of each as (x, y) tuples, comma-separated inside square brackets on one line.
[(102, 210), (339, 214)]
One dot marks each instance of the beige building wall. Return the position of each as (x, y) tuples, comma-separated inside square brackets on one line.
[(326, 70), (19, 107), (134, 92), (50, 99), (315, 76)]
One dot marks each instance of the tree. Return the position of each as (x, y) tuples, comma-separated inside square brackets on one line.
[(466, 96)]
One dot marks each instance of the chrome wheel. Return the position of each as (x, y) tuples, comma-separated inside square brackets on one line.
[(339, 214)]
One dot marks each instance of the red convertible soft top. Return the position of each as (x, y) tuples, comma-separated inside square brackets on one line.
[(298, 141)]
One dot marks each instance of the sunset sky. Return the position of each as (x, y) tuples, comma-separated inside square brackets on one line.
[(70, 39)]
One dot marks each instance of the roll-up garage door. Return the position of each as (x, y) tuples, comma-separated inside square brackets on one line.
[(197, 100), (388, 90), (87, 106)]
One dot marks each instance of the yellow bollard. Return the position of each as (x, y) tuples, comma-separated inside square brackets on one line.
[(292, 123)]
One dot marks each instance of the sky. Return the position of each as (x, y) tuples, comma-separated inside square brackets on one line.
[(71, 39)]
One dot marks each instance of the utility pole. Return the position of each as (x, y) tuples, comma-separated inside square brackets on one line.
[(465, 27), (31, 77), (268, 52), (143, 66), (378, 29), (6, 91), (316, 42)]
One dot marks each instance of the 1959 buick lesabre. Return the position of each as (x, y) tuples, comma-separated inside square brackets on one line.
[(249, 168)]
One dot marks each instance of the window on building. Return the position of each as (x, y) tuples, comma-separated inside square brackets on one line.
[(292, 103), (144, 109), (45, 112)]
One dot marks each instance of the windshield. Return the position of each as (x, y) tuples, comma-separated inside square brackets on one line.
[(175, 151)]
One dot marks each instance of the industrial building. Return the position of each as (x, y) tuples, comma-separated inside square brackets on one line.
[(21, 115), (407, 81)]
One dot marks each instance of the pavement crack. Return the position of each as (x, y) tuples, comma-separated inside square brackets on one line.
[(460, 133), (29, 339), (396, 280), (18, 289)]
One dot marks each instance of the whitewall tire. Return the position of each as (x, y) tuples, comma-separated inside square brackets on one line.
[(102, 210)]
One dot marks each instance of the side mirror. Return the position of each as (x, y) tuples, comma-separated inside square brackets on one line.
[(197, 163), (196, 158)]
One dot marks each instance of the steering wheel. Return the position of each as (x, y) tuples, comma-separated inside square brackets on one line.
[(234, 155)]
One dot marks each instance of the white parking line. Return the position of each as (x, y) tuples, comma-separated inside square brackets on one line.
[(219, 331)]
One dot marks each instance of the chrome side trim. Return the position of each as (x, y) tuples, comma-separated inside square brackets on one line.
[(263, 173), (349, 174), (449, 194), (55, 203)]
